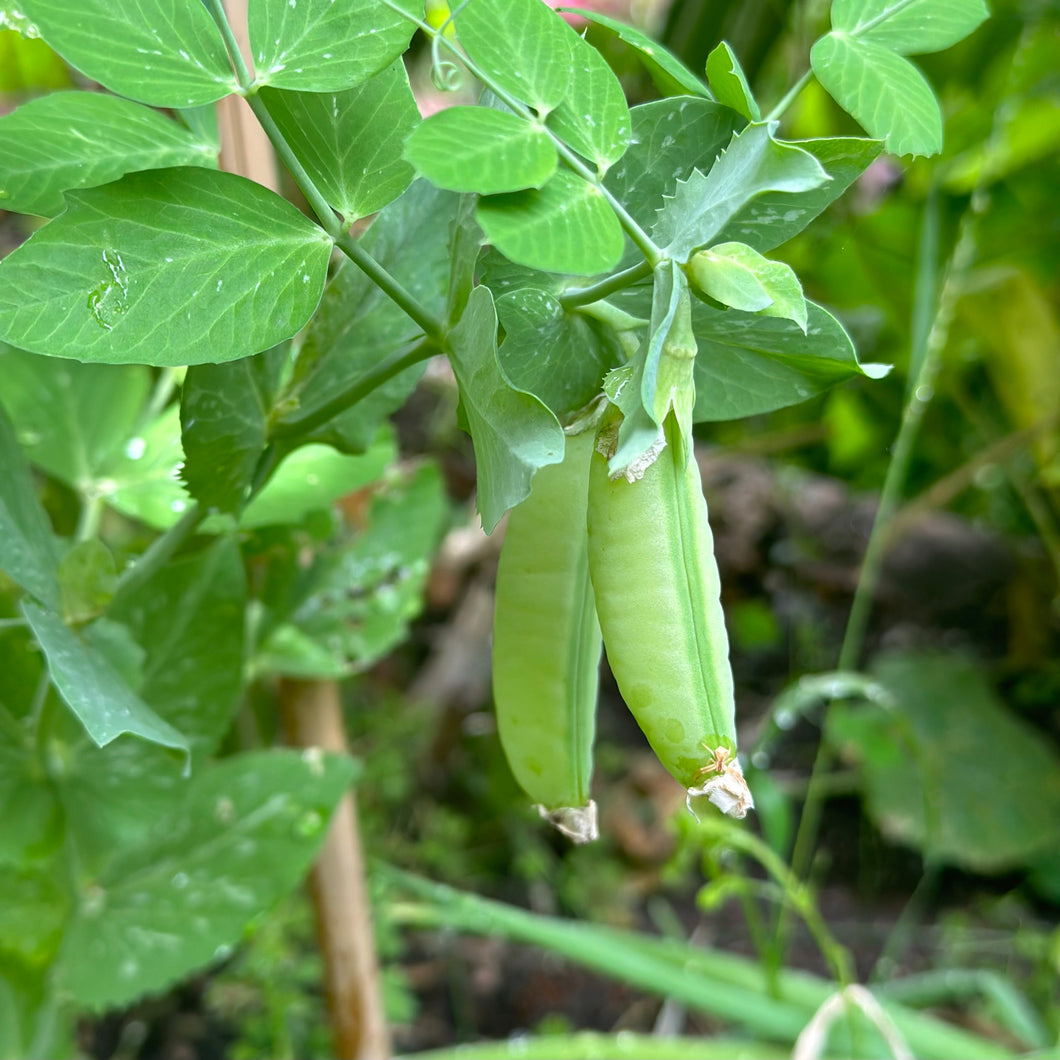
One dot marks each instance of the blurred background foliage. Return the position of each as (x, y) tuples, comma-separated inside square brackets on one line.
[(959, 876)]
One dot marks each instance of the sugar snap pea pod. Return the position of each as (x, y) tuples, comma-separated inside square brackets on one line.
[(651, 558), (546, 644)]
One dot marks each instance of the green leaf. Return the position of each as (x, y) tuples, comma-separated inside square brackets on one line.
[(749, 363), (513, 432), (321, 46), (521, 45), (143, 480), (670, 137), (188, 619), (32, 914), (31, 819), (949, 770), (729, 83), (88, 576), (478, 149), (566, 226), (752, 164), (241, 838), (28, 554), (593, 117), (357, 326), (774, 217), (355, 603), (223, 431), (887, 94), (737, 276), (667, 70), (314, 477), (167, 53), (167, 267), (909, 27), (560, 357), (72, 419), (80, 139), (103, 703), (351, 142)]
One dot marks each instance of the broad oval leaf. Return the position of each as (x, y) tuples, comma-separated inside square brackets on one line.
[(478, 149), (522, 46), (323, 46), (932, 765), (513, 432), (104, 704), (73, 420), (351, 142), (909, 27), (749, 363), (80, 139), (566, 226), (168, 53), (239, 839), (168, 267), (752, 164), (887, 94), (594, 116), (187, 617)]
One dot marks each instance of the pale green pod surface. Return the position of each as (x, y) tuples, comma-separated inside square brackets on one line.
[(547, 645), (658, 596)]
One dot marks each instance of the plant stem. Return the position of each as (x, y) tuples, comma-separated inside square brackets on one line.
[(161, 549), (88, 520), (617, 281), (430, 324), (919, 392), (217, 11), (358, 389), (789, 97), (312, 717)]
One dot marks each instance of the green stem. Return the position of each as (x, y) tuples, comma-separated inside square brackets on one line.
[(161, 549), (88, 520), (159, 399), (789, 97), (329, 220), (919, 395), (356, 391), (217, 12), (617, 281), (408, 302)]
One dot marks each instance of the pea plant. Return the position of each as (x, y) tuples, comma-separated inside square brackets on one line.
[(192, 370)]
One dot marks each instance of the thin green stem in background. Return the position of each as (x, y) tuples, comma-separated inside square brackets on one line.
[(357, 390), (162, 549), (789, 97), (919, 393)]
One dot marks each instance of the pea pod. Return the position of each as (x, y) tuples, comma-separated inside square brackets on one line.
[(547, 645), (658, 596)]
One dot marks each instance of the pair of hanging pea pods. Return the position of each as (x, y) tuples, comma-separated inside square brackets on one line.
[(588, 561)]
